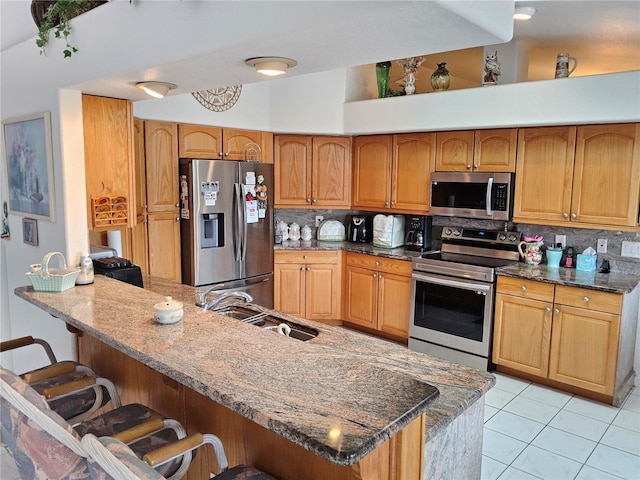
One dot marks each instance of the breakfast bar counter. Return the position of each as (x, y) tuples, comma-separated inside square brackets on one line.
[(333, 402)]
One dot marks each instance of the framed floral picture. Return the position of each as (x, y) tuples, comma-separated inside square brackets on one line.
[(29, 166)]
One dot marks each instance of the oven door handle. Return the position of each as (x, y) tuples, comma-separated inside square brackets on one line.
[(488, 196), (453, 283)]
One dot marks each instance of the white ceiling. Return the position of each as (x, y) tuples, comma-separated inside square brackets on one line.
[(325, 35)]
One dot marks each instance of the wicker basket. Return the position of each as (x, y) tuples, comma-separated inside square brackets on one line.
[(53, 279)]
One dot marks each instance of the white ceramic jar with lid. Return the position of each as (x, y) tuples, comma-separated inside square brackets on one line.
[(167, 312), (85, 277)]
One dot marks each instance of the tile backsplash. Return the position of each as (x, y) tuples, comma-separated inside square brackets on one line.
[(579, 238)]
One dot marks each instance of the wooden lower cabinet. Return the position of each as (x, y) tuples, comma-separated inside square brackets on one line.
[(308, 284), (568, 335), (378, 293), (164, 246)]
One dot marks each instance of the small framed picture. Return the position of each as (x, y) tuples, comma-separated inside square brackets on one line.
[(30, 231)]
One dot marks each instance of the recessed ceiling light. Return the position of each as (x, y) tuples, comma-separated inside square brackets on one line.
[(271, 66), (156, 89), (523, 13)]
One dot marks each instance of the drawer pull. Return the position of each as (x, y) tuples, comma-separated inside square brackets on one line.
[(555, 310), (523, 288), (377, 263), (586, 299), (304, 256)]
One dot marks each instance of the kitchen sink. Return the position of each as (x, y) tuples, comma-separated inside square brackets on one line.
[(266, 320)]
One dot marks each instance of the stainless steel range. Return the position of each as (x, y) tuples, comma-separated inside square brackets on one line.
[(452, 293)]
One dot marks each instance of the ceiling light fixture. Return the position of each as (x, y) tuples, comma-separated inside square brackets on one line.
[(156, 89), (523, 13), (271, 66)]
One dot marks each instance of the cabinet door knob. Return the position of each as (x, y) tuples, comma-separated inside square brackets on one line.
[(386, 204), (555, 310), (475, 165), (302, 269), (393, 204), (375, 275), (573, 215), (226, 154), (308, 268), (178, 204), (565, 215), (548, 309), (468, 167), (177, 219), (313, 200), (523, 288), (308, 200), (586, 299), (220, 154)]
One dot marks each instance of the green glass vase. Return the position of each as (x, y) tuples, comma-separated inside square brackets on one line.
[(383, 72)]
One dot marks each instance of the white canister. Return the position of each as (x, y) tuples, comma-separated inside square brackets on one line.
[(85, 277), (294, 231), (305, 233)]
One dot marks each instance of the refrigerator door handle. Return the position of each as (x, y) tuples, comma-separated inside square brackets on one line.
[(244, 223), (237, 240)]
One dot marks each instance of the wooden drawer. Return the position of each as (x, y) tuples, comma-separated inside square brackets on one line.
[(306, 256), (589, 299), (525, 288), (382, 264)]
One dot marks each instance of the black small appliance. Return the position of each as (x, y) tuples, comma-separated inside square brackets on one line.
[(118, 268), (360, 229), (418, 235)]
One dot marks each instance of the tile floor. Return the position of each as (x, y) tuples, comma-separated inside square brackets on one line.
[(534, 432)]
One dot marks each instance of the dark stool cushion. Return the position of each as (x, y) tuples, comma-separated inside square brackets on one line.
[(243, 472), (120, 419)]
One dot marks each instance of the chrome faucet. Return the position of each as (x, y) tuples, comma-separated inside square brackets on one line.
[(221, 298)]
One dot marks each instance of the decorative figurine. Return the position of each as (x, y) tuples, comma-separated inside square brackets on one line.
[(409, 69), (491, 69)]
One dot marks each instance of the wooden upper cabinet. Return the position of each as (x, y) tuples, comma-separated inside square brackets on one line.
[(331, 172), (495, 150), (140, 169), (312, 171), (544, 174), (108, 152), (454, 151), (247, 145), (292, 170), (206, 141), (199, 141), (606, 178), (413, 161), (372, 171), (161, 152), (478, 151)]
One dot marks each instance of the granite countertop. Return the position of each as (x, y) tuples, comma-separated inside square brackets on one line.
[(368, 388), (400, 253), (606, 282)]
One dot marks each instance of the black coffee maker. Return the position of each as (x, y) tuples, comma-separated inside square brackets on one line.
[(418, 236)]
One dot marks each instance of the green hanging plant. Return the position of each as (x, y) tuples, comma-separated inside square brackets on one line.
[(56, 17)]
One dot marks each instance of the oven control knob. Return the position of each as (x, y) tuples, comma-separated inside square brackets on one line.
[(502, 237), (447, 231), (512, 238), (457, 232)]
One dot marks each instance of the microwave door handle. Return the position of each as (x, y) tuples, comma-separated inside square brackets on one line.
[(488, 196)]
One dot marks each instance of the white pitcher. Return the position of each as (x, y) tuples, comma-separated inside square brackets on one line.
[(283, 229), (294, 231)]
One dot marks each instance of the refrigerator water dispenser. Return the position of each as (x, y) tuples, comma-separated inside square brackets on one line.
[(212, 229)]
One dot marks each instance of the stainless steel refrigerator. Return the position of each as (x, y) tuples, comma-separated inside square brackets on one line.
[(226, 226)]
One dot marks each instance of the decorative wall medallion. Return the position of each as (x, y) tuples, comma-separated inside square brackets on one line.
[(219, 99)]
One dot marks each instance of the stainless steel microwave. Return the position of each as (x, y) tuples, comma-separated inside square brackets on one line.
[(472, 195)]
